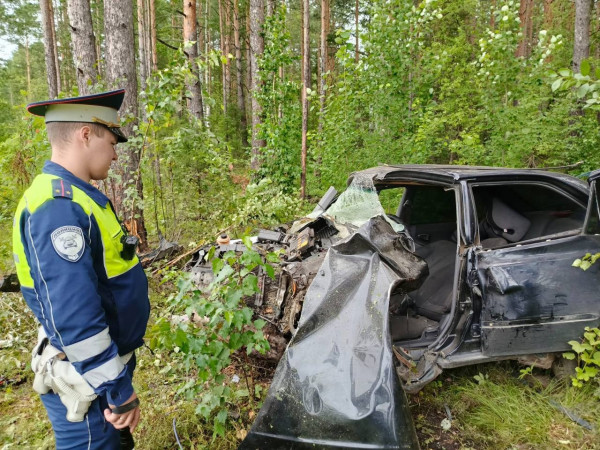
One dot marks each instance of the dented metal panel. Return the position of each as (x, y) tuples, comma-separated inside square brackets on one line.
[(336, 385), (534, 300)]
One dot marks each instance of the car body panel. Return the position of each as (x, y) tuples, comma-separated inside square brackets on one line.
[(335, 385)]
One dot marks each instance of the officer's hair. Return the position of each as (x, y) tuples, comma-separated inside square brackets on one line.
[(62, 132)]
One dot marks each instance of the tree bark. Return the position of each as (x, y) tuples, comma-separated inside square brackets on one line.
[(189, 44), (241, 101), (306, 85), (67, 66), (356, 26), (325, 23), (224, 65), (581, 47), (142, 50), (257, 48), (121, 73), (248, 73), (526, 17), (548, 14), (597, 44), (200, 31), (228, 49), (49, 47), (54, 38), (207, 70), (28, 67), (148, 37), (84, 44), (153, 35)]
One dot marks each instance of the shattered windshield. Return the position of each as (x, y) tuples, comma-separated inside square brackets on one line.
[(359, 203)]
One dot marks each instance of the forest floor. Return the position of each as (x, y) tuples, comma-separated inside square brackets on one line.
[(477, 407)]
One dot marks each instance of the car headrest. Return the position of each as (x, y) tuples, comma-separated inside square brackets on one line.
[(506, 222)]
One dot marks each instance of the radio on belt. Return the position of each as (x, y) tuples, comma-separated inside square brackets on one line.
[(130, 243)]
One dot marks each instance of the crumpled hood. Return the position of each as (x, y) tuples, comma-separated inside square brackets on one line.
[(335, 385)]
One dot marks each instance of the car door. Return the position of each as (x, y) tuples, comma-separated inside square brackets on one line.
[(532, 298)]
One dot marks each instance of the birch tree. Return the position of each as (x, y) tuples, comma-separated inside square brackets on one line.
[(581, 46), (191, 50)]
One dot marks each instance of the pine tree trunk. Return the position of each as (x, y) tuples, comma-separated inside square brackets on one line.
[(121, 73), (98, 26), (148, 39), (596, 43), (84, 44), (153, 35), (548, 14), (200, 30), (228, 30), (581, 48), (142, 50), (241, 101), (325, 22), (356, 27), (248, 73), (28, 67), (189, 44), (222, 38), (49, 47), (306, 85), (55, 49), (257, 19), (526, 17), (67, 65)]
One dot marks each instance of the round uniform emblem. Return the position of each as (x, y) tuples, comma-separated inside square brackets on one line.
[(68, 242)]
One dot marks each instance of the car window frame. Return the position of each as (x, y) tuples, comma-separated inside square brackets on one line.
[(475, 219)]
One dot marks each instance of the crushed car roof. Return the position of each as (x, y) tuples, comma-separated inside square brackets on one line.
[(452, 174)]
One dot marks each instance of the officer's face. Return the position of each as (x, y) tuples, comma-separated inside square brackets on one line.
[(102, 154)]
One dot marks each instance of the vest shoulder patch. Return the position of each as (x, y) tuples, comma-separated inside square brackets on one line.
[(68, 242), (62, 188)]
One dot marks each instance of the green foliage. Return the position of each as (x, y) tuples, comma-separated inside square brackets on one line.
[(441, 82), (265, 204), (282, 115), (220, 325), (587, 353), (581, 87), (505, 411), (586, 261), (21, 155)]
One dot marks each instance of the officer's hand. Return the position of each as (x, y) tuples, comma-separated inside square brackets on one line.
[(129, 419)]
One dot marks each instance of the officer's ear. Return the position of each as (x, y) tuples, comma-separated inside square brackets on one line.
[(84, 133)]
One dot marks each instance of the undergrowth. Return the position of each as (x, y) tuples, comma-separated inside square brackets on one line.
[(492, 408)]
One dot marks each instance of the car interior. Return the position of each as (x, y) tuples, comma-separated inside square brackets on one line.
[(508, 214)]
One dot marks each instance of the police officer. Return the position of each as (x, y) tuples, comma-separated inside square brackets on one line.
[(78, 272)]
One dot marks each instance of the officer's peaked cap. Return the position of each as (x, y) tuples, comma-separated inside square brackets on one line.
[(98, 108)]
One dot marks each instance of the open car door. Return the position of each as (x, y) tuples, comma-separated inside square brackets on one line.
[(532, 298)]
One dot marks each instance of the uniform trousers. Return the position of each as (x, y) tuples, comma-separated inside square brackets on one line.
[(94, 432)]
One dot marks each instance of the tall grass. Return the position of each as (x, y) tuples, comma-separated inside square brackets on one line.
[(500, 411)]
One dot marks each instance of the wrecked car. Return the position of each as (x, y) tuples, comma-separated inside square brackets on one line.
[(415, 269)]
